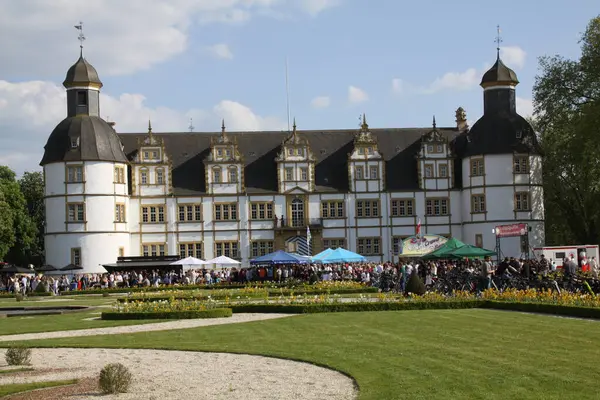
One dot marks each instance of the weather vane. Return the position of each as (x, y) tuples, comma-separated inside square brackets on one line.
[(81, 36), (191, 127), (498, 39)]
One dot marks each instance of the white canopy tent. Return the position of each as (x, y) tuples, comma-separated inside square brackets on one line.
[(222, 261), (189, 263)]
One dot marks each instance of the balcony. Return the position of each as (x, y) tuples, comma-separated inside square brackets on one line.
[(298, 223)]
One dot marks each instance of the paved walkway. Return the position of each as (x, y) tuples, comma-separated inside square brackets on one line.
[(161, 326)]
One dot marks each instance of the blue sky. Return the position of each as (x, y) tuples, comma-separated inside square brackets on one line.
[(170, 60)]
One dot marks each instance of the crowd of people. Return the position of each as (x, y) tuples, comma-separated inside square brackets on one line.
[(387, 276)]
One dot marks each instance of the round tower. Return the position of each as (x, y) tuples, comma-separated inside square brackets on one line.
[(501, 171), (85, 179)]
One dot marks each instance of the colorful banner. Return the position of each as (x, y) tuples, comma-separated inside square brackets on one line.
[(513, 230), (417, 246)]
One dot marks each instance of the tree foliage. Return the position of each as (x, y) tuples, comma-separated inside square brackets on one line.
[(567, 116), (32, 187)]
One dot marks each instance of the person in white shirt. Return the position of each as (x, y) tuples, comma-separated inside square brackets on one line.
[(594, 267)]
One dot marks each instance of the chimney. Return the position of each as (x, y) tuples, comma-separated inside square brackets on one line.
[(461, 120)]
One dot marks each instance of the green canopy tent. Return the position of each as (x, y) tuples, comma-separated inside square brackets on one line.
[(445, 250), (471, 252)]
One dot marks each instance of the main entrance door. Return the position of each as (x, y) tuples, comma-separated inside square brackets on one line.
[(297, 209)]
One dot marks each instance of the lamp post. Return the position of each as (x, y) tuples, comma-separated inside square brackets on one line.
[(495, 233)]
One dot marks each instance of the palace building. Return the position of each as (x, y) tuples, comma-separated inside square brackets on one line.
[(245, 194)]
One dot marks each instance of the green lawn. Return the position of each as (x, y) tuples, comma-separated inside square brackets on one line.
[(5, 390), (63, 322), (63, 301), (433, 354)]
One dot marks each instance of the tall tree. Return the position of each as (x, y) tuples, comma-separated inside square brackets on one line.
[(32, 187), (7, 235), (567, 115), (23, 228)]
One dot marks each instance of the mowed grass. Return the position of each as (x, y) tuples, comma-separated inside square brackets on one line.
[(58, 301), (5, 390), (432, 354)]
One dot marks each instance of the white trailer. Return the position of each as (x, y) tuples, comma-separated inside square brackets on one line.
[(581, 253)]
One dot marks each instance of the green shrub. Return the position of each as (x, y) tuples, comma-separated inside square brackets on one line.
[(18, 355), (415, 285), (105, 294), (42, 287), (354, 307), (212, 313), (19, 297), (114, 378), (542, 308)]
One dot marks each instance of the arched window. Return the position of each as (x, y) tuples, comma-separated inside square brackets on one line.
[(217, 175), (233, 174)]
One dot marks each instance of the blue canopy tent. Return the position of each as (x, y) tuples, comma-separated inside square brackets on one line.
[(341, 255), (317, 257), (278, 257)]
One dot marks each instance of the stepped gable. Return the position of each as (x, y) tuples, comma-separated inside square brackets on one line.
[(188, 150)]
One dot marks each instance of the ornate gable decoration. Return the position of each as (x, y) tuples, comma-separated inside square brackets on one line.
[(433, 136), (295, 147), (150, 140), (151, 149), (223, 148), (364, 136)]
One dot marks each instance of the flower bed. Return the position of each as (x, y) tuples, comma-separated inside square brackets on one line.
[(190, 314)]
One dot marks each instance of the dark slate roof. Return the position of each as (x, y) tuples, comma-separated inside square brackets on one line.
[(98, 141), (260, 149), (82, 72), (498, 133), (499, 73)]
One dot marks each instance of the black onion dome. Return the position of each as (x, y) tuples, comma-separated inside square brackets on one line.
[(499, 134), (499, 74), (82, 72), (83, 138)]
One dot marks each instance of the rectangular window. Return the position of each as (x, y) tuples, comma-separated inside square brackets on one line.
[(477, 203), (82, 99), (153, 249), (261, 247), (289, 174), (153, 214), (369, 246), (144, 176), (522, 201), (521, 165), (189, 213), (227, 249), (332, 209), (75, 212), (428, 170), (120, 213), (261, 211), (477, 167), (402, 207), (367, 208), (76, 256), (151, 155), (121, 251), (216, 175), (74, 173), (303, 174), (160, 176), (119, 174), (436, 207), (334, 243), (479, 240), (359, 172), (190, 250), (233, 175), (226, 212), (373, 172), (397, 244), (443, 170)]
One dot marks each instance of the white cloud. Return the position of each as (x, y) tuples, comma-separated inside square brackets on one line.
[(398, 86), (37, 36), (30, 110), (357, 95), (320, 102), (220, 50), (454, 81), (524, 107), (513, 56)]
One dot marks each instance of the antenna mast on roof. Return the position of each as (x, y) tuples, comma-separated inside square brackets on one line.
[(287, 93), (191, 127), (81, 36)]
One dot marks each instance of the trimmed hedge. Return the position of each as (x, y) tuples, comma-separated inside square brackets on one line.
[(353, 307), (271, 293), (30, 294), (212, 313), (542, 308)]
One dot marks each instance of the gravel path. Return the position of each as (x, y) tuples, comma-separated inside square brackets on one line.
[(161, 326), (171, 375)]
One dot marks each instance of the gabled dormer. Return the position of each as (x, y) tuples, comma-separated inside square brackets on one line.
[(224, 166), (435, 161), (151, 169), (365, 163), (295, 164)]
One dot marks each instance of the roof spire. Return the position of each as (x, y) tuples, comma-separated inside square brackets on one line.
[(434, 124), (191, 126), (223, 126), (149, 127), (364, 126), (81, 37), (294, 127), (498, 40)]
